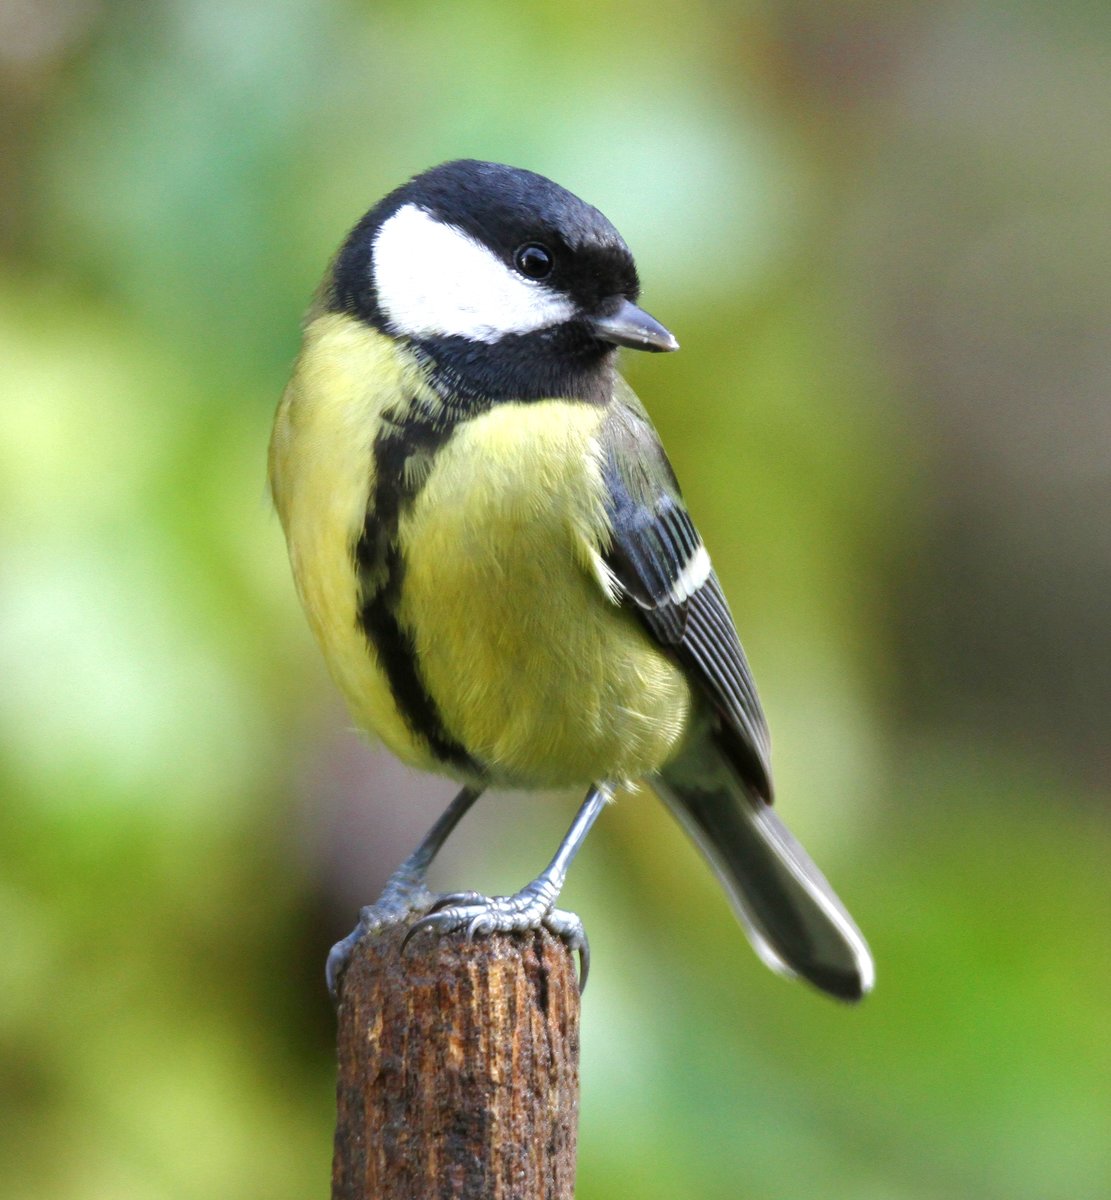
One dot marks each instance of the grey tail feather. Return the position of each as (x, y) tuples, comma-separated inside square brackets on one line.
[(792, 916)]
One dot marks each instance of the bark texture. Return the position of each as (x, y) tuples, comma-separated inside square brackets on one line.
[(458, 1070)]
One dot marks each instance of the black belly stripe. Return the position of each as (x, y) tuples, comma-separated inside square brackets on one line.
[(398, 453)]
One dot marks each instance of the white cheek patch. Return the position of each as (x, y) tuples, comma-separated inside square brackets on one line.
[(433, 280)]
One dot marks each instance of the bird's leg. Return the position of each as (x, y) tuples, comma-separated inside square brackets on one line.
[(404, 892), (533, 906)]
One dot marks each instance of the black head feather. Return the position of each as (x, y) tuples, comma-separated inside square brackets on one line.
[(505, 208)]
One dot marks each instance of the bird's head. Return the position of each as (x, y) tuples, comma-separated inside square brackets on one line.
[(510, 285)]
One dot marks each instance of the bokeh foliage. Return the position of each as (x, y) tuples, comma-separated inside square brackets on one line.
[(880, 234)]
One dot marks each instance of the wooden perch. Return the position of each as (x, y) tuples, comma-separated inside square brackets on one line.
[(458, 1069)]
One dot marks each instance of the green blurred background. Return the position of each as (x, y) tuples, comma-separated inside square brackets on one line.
[(881, 233)]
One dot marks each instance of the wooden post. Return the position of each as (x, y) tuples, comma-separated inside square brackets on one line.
[(458, 1069)]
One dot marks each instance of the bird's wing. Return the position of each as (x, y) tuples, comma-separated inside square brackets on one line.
[(660, 567)]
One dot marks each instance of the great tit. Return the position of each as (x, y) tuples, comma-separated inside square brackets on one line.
[(494, 555)]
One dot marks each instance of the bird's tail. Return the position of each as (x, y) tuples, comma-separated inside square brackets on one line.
[(794, 920)]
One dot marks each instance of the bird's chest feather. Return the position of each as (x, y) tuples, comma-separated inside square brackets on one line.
[(497, 543), (531, 664)]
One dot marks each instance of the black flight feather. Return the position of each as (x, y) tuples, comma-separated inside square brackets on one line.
[(653, 542)]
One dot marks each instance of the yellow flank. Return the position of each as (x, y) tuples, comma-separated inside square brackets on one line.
[(321, 473), (536, 672)]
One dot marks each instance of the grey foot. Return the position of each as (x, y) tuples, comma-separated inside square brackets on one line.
[(477, 916), (403, 895)]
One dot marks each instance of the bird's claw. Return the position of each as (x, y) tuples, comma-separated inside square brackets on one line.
[(475, 915), (403, 895)]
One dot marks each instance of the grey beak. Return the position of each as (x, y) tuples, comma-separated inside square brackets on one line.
[(633, 327)]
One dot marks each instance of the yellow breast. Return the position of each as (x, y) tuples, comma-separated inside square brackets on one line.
[(535, 672)]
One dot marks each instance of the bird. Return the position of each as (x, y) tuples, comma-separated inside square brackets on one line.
[(494, 555)]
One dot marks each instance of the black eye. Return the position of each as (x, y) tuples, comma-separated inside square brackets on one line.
[(533, 260)]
